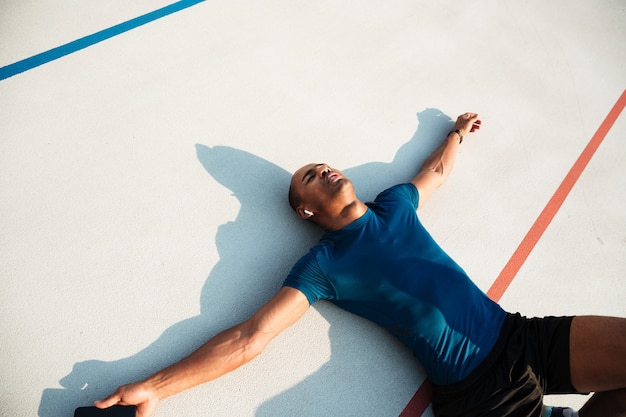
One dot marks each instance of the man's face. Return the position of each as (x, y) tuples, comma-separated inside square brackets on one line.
[(320, 187)]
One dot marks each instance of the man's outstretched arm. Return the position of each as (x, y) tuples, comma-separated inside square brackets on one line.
[(438, 166), (223, 353)]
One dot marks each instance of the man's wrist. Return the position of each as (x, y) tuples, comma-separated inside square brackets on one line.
[(458, 133), (157, 386)]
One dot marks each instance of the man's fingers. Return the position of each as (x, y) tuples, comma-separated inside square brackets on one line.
[(476, 126), (109, 401)]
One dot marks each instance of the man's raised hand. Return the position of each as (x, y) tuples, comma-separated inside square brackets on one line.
[(467, 123)]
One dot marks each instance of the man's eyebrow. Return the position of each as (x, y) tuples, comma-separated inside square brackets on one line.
[(310, 171)]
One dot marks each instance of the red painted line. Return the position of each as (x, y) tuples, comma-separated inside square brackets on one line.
[(545, 218), (420, 401)]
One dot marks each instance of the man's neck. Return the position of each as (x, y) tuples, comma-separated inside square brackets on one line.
[(348, 214)]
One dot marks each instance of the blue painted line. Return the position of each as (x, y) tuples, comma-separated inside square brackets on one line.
[(82, 43)]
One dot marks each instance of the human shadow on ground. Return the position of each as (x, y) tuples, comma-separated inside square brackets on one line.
[(256, 252)]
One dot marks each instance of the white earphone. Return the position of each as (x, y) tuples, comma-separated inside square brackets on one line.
[(310, 213)]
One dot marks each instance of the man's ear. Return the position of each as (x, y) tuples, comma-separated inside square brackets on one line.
[(304, 213)]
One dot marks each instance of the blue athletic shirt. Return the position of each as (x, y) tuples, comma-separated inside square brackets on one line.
[(387, 268)]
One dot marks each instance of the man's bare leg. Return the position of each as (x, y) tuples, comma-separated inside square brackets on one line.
[(598, 364), (607, 403)]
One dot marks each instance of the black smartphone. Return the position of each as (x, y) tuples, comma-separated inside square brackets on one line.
[(114, 411)]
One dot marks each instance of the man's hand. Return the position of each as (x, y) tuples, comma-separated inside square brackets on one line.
[(467, 123), (139, 394)]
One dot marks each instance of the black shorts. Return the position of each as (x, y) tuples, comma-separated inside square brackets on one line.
[(530, 359)]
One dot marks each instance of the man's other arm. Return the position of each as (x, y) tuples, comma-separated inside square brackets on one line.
[(438, 166), (223, 353)]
